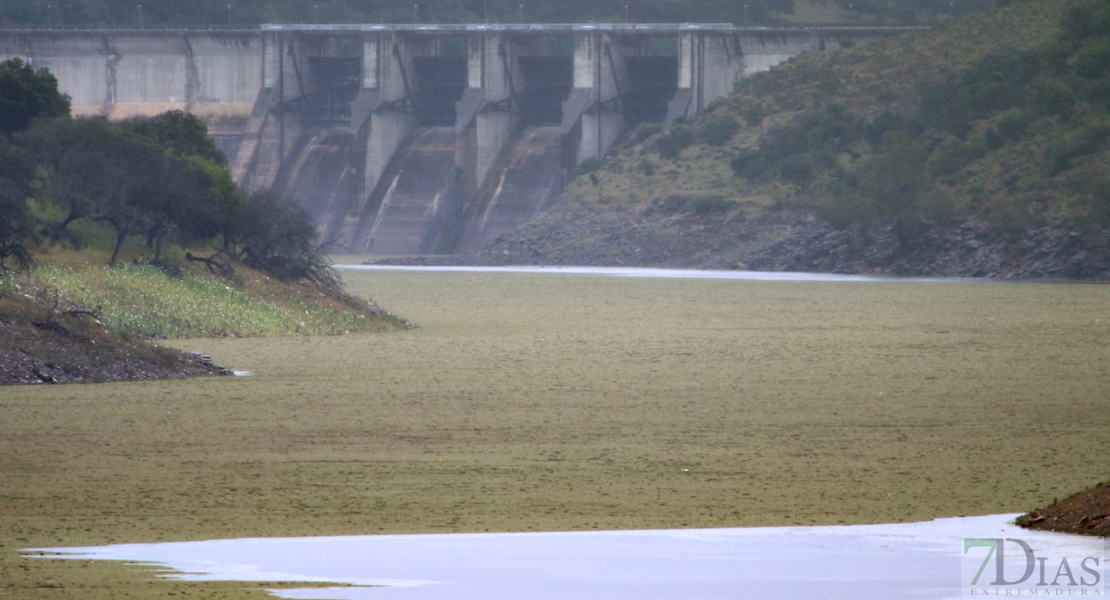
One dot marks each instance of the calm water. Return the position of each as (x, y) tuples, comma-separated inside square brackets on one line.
[(880, 562), (653, 273)]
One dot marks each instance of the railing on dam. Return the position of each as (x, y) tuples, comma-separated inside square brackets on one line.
[(647, 28), (131, 28), (563, 27)]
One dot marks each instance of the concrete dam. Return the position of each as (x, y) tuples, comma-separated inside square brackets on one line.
[(415, 139)]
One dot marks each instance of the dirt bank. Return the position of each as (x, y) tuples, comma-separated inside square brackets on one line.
[(1086, 512), (44, 344)]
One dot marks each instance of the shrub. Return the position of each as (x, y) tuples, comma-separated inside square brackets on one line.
[(1060, 156), (753, 114), (672, 143), (1093, 62), (798, 170), (748, 163), (781, 142), (645, 131), (1053, 98), (881, 124), (936, 207), (716, 130), (1012, 123), (708, 205), (952, 155), (588, 166), (943, 106)]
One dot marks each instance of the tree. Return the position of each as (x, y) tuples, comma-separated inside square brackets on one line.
[(26, 94), (199, 200), (180, 134), (69, 153), (17, 172), (277, 236), (893, 180), (129, 185), (99, 170)]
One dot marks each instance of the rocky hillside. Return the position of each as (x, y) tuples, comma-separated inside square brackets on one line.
[(980, 148)]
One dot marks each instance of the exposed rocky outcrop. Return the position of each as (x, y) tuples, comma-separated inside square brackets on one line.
[(787, 240), (966, 250)]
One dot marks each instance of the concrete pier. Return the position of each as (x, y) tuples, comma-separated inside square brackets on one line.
[(600, 82)]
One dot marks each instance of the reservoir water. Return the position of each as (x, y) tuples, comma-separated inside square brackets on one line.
[(653, 273), (929, 560)]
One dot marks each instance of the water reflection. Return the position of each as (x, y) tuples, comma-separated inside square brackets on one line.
[(657, 273)]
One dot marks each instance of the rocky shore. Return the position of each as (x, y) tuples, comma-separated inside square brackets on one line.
[(791, 240)]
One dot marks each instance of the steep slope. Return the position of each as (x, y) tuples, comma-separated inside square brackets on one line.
[(981, 147)]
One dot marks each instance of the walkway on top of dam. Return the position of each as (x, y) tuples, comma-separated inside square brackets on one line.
[(433, 28)]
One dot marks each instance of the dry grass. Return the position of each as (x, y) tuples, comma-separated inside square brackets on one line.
[(566, 402)]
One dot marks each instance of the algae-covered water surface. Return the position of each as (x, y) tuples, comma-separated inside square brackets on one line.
[(527, 401)]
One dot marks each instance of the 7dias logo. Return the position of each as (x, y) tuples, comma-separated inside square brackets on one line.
[(1010, 567)]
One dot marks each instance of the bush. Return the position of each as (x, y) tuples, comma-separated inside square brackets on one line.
[(588, 166), (882, 124), (753, 114), (279, 238), (1012, 123), (943, 106), (834, 127), (952, 155), (1053, 98), (1060, 156), (1093, 62), (645, 131), (1094, 197), (781, 142), (709, 205), (748, 163), (798, 170), (672, 143), (716, 130)]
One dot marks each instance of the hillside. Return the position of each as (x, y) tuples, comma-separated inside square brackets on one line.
[(979, 148), (73, 319)]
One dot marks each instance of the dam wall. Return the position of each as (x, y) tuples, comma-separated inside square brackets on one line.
[(327, 114), (215, 75)]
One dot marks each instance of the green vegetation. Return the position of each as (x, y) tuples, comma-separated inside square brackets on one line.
[(250, 12), (26, 93), (149, 301), (1003, 117), (161, 178), (152, 192)]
